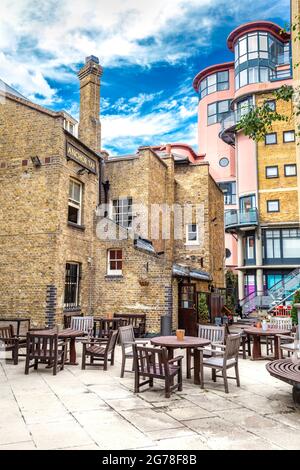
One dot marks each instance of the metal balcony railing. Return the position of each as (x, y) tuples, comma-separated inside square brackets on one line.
[(235, 218)]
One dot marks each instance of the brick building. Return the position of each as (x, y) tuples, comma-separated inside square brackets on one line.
[(78, 228)]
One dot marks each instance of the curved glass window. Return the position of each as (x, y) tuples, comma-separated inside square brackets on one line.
[(216, 82), (217, 111), (256, 57)]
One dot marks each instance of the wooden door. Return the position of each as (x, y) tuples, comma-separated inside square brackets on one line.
[(187, 312)]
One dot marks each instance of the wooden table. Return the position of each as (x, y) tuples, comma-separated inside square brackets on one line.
[(287, 371), (189, 342), (257, 333)]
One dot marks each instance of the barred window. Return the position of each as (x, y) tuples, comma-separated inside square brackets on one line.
[(72, 285)]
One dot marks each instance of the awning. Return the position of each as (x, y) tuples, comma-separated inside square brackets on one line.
[(185, 271)]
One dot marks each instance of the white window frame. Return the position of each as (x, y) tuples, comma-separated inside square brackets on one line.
[(74, 203), (188, 231), (114, 272), (121, 214)]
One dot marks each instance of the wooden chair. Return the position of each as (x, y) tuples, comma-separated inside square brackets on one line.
[(245, 346), (11, 342), (215, 334), (281, 323), (137, 320), (45, 348), (84, 324), (100, 349), (154, 364), (287, 343), (68, 317), (103, 327), (222, 360), (127, 340)]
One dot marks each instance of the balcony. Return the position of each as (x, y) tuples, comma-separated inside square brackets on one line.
[(227, 132), (236, 220)]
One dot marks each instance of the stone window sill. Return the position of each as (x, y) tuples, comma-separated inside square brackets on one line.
[(76, 226), (114, 278)]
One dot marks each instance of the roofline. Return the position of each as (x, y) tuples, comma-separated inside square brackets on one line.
[(267, 26), (209, 71), (32, 105), (179, 145)]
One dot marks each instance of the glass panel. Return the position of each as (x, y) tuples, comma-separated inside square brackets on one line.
[(212, 79), (273, 206), (243, 46), (223, 106), (253, 75), (223, 76), (250, 247), (223, 86), (290, 170), (271, 139), (212, 119), (291, 247), (264, 74), (73, 214), (263, 42), (252, 43), (272, 171), (212, 109), (243, 78), (289, 136)]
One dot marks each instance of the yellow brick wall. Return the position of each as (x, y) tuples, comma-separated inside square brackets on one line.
[(282, 188)]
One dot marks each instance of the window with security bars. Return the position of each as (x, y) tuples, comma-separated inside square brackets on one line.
[(115, 262), (72, 286), (122, 212)]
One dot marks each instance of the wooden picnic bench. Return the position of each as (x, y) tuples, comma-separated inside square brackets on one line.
[(289, 372)]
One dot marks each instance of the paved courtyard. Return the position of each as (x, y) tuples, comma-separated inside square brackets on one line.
[(93, 409)]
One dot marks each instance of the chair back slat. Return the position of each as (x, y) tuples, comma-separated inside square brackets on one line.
[(215, 334), (281, 323), (41, 346), (85, 324), (232, 347), (7, 335), (112, 340), (151, 361)]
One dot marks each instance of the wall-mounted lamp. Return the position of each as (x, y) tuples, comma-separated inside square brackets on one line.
[(82, 171), (36, 161)]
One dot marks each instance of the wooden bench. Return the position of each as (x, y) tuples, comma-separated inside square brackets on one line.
[(137, 320), (289, 372)]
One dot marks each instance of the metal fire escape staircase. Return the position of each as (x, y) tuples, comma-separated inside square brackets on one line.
[(276, 295)]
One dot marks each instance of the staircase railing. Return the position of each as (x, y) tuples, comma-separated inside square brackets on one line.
[(270, 298)]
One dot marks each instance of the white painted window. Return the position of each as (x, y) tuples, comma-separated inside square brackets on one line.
[(75, 202), (122, 211), (114, 262), (192, 234)]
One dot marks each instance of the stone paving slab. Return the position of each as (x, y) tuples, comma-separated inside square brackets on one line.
[(93, 409)]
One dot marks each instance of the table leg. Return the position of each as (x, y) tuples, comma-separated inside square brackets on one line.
[(276, 347), (256, 350), (72, 361), (196, 366)]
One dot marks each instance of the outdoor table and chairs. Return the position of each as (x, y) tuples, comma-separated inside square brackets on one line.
[(20, 325), (189, 342), (257, 333)]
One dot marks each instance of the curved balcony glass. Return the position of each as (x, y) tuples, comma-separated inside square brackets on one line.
[(239, 220)]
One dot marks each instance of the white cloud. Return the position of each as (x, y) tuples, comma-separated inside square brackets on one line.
[(45, 36)]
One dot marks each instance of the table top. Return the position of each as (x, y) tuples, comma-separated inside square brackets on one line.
[(269, 332), (172, 342), (66, 333), (285, 369)]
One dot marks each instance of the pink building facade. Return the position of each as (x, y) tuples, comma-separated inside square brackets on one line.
[(261, 64)]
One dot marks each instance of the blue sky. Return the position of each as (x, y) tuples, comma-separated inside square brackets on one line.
[(150, 51)]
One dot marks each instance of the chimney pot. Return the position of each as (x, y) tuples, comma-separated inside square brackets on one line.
[(92, 58)]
